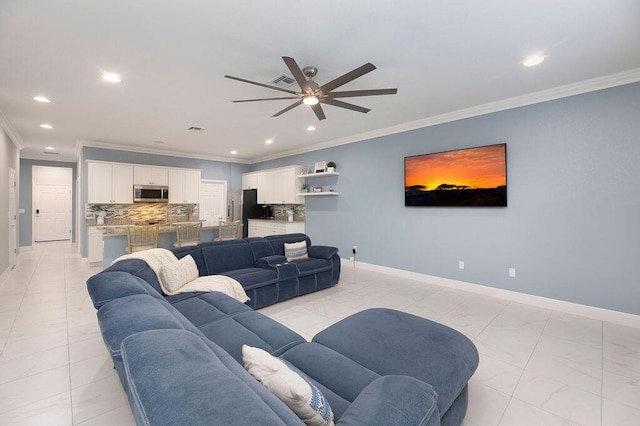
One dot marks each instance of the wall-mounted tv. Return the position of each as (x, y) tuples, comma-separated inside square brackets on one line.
[(472, 177)]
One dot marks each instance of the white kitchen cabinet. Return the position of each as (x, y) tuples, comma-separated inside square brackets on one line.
[(96, 245), (262, 228), (184, 186), (276, 186), (148, 175), (110, 183), (250, 181), (266, 182)]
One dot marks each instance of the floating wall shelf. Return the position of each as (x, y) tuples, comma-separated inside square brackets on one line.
[(310, 194), (314, 175)]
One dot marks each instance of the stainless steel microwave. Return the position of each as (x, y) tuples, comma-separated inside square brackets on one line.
[(150, 194)]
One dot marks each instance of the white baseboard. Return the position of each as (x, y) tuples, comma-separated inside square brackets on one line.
[(4, 275), (600, 314)]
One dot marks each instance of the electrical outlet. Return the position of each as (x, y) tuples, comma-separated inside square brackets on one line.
[(512, 272), (355, 249), (461, 264), (352, 258)]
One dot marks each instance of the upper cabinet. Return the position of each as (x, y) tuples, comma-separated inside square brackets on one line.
[(149, 175), (250, 181), (110, 183), (184, 186), (275, 186)]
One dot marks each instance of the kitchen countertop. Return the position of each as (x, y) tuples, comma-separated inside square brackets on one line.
[(278, 220), (112, 229)]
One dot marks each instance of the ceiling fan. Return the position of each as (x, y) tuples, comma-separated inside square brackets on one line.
[(313, 95)]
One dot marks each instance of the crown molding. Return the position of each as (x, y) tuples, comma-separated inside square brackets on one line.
[(592, 85), (95, 144), (10, 131)]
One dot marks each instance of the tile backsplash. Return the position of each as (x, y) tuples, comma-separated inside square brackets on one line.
[(280, 210), (145, 212)]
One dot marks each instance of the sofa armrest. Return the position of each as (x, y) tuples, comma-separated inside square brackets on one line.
[(321, 252), (107, 286), (284, 269), (394, 400), (269, 261)]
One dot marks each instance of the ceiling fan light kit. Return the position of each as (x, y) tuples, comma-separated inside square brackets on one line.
[(313, 95)]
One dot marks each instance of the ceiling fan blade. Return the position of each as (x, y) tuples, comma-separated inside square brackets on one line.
[(346, 105), (267, 99), (318, 110), (354, 93), (297, 74), (344, 79), (292, 106), (262, 85)]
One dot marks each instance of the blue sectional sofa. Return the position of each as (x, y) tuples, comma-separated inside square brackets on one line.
[(260, 266), (179, 358)]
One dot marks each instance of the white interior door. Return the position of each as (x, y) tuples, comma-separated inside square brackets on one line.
[(213, 200), (13, 235), (52, 211)]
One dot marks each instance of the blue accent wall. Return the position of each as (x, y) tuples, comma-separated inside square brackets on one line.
[(572, 226), (26, 197)]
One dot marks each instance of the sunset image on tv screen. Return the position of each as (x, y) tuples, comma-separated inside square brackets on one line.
[(466, 177)]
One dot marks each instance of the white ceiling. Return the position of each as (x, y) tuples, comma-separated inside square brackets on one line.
[(443, 56)]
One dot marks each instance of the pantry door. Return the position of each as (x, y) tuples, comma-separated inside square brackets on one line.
[(213, 200)]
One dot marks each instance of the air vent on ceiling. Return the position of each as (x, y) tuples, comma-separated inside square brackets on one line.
[(196, 129), (284, 81), (51, 153)]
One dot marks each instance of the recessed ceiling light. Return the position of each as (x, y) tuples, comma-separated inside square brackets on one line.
[(46, 126), (269, 141), (234, 152), (42, 99), (311, 128), (49, 148), (533, 60), (111, 77)]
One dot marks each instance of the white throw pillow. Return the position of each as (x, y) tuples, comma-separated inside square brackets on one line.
[(176, 274), (294, 251), (295, 390)]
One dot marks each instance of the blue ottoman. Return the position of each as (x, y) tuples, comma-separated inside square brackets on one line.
[(390, 342)]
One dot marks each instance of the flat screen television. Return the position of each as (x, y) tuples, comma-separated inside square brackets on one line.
[(471, 177)]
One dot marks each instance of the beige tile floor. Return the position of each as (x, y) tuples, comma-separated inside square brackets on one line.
[(537, 366)]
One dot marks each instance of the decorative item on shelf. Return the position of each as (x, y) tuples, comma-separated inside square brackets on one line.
[(331, 167), (290, 212), (99, 212), (331, 189), (304, 188), (305, 171), (320, 167), (317, 189)]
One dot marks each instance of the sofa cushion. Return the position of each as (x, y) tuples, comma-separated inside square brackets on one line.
[(137, 268), (123, 317), (295, 251), (109, 286), (291, 387), (227, 256), (251, 278), (277, 241), (196, 253), (159, 363), (312, 266), (176, 274)]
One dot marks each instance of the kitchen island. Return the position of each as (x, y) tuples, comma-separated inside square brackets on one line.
[(114, 238)]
